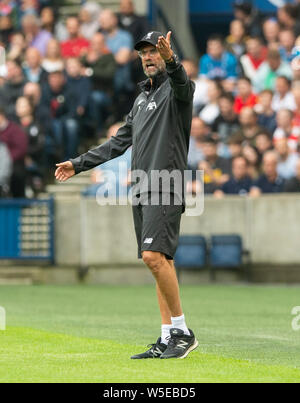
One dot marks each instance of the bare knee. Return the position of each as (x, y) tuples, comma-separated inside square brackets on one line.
[(154, 260)]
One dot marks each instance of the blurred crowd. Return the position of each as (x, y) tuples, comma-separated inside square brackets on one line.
[(67, 81), (61, 84), (246, 126)]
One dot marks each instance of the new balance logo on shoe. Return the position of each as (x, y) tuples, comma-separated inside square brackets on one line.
[(182, 344)]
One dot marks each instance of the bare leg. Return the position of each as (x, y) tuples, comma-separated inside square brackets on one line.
[(167, 283), (163, 307)]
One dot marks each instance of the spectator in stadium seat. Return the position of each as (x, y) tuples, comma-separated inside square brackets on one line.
[(35, 158), (5, 170), (239, 183), (287, 41), (235, 145), (216, 169), (35, 36), (271, 29), (226, 122), (293, 184), (100, 67), (283, 97), (249, 16), (49, 23), (287, 159), (76, 45), (245, 96), (199, 131), (253, 159), (211, 110), (270, 70), (80, 84), (12, 88), (89, 19), (295, 132), (255, 56), (263, 142), (137, 25), (265, 112), (218, 63), (47, 17), (16, 141), (62, 125), (32, 67), (200, 94), (249, 126), (284, 119), (288, 17), (236, 41), (17, 47), (269, 181), (53, 60), (120, 43)]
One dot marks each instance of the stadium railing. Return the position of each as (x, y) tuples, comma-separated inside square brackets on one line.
[(27, 229)]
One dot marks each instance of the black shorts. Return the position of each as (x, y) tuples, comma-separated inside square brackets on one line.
[(157, 228)]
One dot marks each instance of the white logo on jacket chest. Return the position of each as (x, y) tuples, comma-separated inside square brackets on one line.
[(152, 106)]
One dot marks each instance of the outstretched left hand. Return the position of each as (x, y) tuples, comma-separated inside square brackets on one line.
[(164, 47)]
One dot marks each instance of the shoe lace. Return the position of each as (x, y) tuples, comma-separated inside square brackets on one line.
[(172, 341)]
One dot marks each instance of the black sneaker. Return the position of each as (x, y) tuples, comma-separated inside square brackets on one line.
[(155, 351), (180, 344)]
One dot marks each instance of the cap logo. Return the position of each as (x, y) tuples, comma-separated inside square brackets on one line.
[(148, 36)]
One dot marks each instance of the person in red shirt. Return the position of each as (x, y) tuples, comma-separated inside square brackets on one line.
[(255, 56), (76, 45), (245, 95)]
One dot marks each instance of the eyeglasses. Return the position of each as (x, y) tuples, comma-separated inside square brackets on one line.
[(143, 53)]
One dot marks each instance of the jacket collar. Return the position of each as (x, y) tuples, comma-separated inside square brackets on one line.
[(157, 81)]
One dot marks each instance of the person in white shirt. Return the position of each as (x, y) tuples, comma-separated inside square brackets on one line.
[(211, 110), (283, 97)]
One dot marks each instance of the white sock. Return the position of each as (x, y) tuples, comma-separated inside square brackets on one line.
[(165, 332), (179, 323)]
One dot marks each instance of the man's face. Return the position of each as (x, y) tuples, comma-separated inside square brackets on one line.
[(274, 63), (270, 165), (152, 61), (239, 168), (247, 117), (209, 150), (215, 49), (56, 81), (198, 129), (126, 7), (73, 26), (254, 47), (282, 86), (226, 107)]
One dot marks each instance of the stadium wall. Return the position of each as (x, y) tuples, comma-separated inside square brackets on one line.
[(89, 235)]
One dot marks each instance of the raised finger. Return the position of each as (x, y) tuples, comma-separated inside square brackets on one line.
[(169, 37)]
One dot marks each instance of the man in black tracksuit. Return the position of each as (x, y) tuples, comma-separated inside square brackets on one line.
[(158, 128)]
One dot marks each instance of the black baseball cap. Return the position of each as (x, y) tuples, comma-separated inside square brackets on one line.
[(149, 39)]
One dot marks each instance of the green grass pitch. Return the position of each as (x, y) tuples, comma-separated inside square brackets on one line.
[(88, 333)]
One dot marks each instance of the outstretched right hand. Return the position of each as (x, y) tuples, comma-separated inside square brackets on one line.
[(64, 171)]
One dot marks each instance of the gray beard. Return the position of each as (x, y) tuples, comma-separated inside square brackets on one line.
[(160, 70)]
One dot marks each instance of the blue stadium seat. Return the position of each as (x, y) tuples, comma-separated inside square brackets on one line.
[(191, 253), (226, 251)]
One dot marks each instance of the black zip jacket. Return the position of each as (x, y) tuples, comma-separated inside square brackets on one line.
[(157, 127)]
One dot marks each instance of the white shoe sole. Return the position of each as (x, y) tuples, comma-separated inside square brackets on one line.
[(193, 347)]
